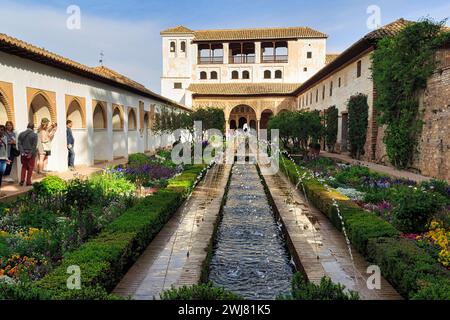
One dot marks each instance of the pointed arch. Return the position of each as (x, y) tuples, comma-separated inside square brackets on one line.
[(99, 115), (76, 111)]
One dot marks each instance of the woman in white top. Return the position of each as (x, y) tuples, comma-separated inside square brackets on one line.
[(46, 133)]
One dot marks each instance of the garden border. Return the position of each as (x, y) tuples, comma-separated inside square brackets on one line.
[(410, 269)]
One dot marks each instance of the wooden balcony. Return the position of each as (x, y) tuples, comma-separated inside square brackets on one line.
[(210, 60), (274, 59)]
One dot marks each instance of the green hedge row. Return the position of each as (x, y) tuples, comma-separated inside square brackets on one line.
[(410, 269), (104, 259)]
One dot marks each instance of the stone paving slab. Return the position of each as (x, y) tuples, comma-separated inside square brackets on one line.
[(319, 247), (165, 262)]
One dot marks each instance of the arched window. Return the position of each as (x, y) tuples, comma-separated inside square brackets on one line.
[(183, 46), (132, 123), (173, 46), (278, 74), (99, 117), (267, 74), (117, 119), (214, 75), (75, 114), (245, 75), (235, 75), (203, 75)]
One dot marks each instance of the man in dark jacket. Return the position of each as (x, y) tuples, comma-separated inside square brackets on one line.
[(27, 145), (70, 143)]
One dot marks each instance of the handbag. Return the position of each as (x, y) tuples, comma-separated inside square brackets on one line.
[(14, 152)]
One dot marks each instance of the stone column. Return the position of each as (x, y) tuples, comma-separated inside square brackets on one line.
[(258, 52), (226, 50)]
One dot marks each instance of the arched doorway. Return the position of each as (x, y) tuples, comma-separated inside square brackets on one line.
[(240, 115), (75, 114), (39, 109), (265, 117), (117, 119), (132, 123), (99, 117), (3, 110)]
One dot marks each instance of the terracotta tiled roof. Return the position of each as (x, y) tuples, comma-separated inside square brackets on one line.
[(390, 29), (28, 51), (258, 34), (330, 57), (243, 88), (179, 29)]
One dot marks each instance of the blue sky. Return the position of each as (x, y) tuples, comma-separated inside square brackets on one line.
[(128, 31)]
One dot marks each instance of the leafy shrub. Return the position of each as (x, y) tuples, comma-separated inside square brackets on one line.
[(50, 185), (82, 194), (414, 208), (23, 290), (326, 290), (331, 131), (433, 289), (113, 184), (439, 186), (138, 159), (355, 175), (205, 292)]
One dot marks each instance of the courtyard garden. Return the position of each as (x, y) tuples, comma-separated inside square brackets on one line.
[(100, 224)]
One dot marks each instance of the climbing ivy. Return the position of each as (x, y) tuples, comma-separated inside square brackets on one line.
[(402, 64), (331, 130), (358, 113)]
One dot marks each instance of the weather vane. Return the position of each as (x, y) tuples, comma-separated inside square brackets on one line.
[(102, 55)]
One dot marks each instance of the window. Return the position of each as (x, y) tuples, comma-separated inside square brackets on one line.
[(214, 75), (173, 46), (305, 69), (274, 52), (178, 85), (317, 95), (235, 75), (203, 75), (340, 82), (267, 74), (331, 89), (358, 69), (311, 98), (246, 75), (323, 93), (278, 74), (183, 46), (309, 55)]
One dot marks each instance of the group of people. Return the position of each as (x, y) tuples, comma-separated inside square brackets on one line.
[(33, 148)]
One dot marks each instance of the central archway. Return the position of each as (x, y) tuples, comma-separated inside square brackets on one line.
[(241, 115)]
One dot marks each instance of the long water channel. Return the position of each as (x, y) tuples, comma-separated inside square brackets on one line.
[(250, 256)]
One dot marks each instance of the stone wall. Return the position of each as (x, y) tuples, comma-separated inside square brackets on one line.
[(433, 156)]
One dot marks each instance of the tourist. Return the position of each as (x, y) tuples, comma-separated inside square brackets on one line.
[(46, 133), (4, 154), (27, 144), (13, 152), (70, 145)]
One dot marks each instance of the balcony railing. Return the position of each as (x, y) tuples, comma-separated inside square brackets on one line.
[(210, 60), (274, 59), (242, 59)]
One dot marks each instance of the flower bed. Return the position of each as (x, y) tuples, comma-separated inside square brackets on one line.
[(104, 259), (413, 270)]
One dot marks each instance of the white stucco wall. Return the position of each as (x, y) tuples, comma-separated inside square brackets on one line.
[(90, 145), (350, 85)]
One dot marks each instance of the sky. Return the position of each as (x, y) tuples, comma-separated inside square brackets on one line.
[(128, 31)]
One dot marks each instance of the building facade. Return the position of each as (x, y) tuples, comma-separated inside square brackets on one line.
[(112, 115), (247, 72)]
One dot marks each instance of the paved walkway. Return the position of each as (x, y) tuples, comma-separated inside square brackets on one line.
[(401, 174), (165, 263), (13, 190), (318, 247)]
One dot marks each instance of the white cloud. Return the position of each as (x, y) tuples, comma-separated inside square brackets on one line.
[(132, 48)]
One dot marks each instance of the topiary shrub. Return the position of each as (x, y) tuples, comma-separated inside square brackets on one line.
[(326, 290), (331, 130), (50, 185), (358, 115), (205, 292)]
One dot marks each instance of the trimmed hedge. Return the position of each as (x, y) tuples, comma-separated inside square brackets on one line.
[(104, 259), (410, 269)]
